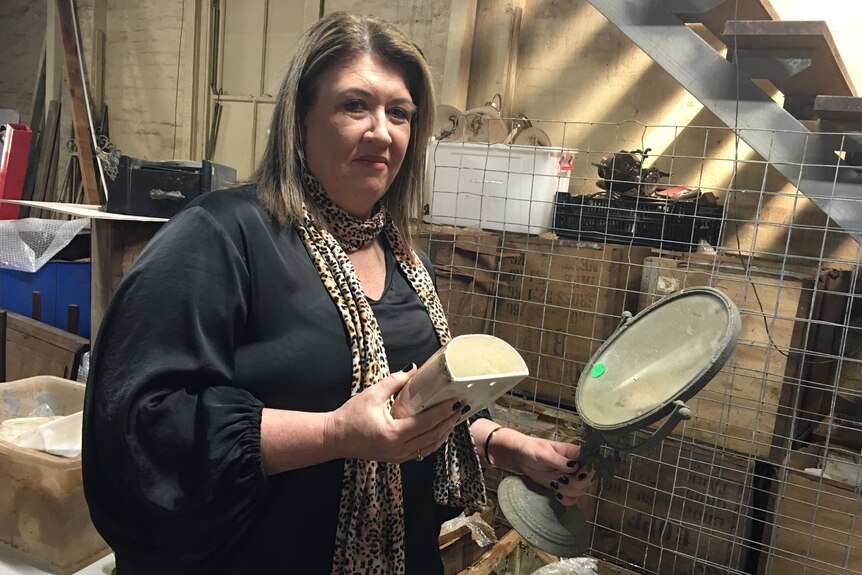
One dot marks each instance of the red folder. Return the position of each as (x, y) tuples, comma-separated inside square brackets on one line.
[(13, 166)]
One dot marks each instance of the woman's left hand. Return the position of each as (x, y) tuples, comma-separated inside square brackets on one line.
[(554, 464)]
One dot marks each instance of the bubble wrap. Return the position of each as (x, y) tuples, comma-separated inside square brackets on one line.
[(27, 244)]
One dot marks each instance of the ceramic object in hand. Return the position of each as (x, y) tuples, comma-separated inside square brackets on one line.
[(475, 369)]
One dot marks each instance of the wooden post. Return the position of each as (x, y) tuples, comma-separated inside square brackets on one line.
[(2, 345), (115, 245), (80, 121)]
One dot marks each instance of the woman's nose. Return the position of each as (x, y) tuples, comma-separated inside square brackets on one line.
[(378, 130)]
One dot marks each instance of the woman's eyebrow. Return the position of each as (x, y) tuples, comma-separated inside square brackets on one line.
[(363, 93)]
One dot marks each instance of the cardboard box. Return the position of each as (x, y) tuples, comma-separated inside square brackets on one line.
[(739, 408), (557, 302), (465, 266), (815, 527), (495, 186), (44, 517), (678, 509)]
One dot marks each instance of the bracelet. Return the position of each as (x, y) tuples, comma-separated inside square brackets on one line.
[(488, 444)]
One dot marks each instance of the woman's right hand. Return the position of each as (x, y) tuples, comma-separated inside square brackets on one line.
[(363, 428)]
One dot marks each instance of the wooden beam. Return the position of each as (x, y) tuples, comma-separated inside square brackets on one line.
[(80, 122), (485, 566), (459, 51)]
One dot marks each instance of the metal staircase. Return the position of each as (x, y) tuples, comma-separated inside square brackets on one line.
[(798, 57)]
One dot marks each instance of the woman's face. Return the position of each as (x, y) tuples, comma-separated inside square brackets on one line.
[(357, 130)]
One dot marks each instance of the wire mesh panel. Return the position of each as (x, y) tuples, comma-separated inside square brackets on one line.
[(766, 475)]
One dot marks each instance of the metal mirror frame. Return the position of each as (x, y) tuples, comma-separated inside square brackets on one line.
[(563, 531)]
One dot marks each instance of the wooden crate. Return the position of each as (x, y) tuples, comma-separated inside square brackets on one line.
[(537, 420), (557, 301), (34, 348), (678, 509), (511, 555), (836, 403), (739, 408), (465, 264), (815, 526), (458, 550)]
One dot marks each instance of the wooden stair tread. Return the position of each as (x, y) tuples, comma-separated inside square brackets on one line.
[(715, 18), (838, 108), (827, 73)]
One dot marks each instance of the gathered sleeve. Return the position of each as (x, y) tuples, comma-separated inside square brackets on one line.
[(171, 443)]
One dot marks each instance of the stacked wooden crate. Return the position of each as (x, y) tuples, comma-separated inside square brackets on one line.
[(727, 492), (557, 302), (739, 408), (465, 263)]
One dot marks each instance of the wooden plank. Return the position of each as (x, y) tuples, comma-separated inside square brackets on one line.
[(458, 550), (838, 108), (80, 122), (47, 145), (827, 73), (459, 50), (489, 560)]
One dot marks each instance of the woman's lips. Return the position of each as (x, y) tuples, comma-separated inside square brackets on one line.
[(374, 162)]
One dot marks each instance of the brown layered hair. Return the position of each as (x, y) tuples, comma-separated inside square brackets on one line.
[(340, 37)]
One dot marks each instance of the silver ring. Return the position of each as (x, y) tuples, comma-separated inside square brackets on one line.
[(419, 456)]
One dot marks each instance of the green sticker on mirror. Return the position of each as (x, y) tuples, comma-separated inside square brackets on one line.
[(598, 370)]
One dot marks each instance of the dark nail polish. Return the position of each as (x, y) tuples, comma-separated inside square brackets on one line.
[(465, 409), (582, 476), (564, 479), (555, 485), (559, 496), (456, 406), (407, 367), (571, 463)]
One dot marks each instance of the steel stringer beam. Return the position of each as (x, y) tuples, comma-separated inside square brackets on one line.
[(807, 159)]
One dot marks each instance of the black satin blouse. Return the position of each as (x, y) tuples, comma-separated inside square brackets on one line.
[(223, 314)]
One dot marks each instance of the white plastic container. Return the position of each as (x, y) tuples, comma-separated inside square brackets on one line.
[(495, 186), (44, 518)]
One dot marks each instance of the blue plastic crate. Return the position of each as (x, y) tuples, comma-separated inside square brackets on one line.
[(61, 284)]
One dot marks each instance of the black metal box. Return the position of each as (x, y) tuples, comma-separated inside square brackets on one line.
[(161, 189)]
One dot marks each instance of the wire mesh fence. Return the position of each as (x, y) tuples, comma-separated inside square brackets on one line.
[(547, 246)]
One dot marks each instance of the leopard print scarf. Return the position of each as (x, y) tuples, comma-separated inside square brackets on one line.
[(370, 534)]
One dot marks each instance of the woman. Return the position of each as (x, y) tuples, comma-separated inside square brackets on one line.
[(237, 414)]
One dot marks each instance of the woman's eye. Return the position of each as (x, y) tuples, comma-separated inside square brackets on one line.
[(355, 106), (401, 114)]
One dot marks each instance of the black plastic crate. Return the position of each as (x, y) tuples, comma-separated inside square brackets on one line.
[(669, 224)]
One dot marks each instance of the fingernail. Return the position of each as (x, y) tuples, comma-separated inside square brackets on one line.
[(407, 367), (456, 406), (582, 476), (555, 485), (564, 479), (465, 409), (559, 496), (571, 463)]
